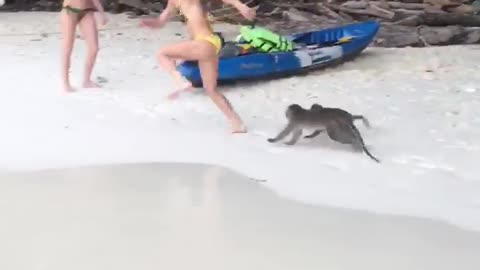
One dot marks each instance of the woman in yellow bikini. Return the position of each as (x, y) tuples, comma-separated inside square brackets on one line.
[(80, 13), (203, 47)]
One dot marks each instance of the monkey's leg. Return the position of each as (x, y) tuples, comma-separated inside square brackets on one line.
[(340, 132), (283, 133), (314, 134), (296, 135), (364, 120)]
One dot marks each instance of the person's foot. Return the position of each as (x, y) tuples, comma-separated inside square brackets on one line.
[(67, 88), (182, 87), (90, 84), (238, 127)]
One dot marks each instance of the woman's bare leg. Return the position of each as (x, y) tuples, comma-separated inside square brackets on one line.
[(209, 73), (167, 62), (183, 85), (204, 53), (68, 25), (89, 30), (184, 50)]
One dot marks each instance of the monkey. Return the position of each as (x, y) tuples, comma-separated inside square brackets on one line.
[(298, 118), (337, 123), (353, 117), (317, 107)]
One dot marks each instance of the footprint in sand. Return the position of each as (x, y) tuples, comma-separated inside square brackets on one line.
[(408, 158), (422, 162), (276, 150), (260, 134), (102, 80), (427, 165)]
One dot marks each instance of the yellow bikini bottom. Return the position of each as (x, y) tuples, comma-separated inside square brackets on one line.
[(214, 40)]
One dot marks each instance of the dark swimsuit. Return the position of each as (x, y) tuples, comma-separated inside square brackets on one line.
[(80, 12)]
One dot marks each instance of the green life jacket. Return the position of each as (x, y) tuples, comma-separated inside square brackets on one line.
[(264, 40)]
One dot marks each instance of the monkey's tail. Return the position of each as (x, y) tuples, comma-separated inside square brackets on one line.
[(362, 144), (364, 120), (370, 155)]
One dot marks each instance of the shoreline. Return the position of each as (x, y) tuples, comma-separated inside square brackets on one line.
[(184, 166)]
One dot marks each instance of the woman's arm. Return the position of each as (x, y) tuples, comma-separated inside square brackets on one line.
[(99, 8), (233, 3), (246, 11), (166, 14)]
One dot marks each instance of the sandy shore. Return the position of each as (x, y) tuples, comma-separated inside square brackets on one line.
[(175, 216), (423, 105)]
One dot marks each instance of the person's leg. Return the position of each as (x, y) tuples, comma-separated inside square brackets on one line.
[(167, 57), (209, 73), (203, 46), (205, 53), (68, 23), (88, 27), (191, 50)]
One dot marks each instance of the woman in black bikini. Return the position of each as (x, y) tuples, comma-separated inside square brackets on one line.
[(81, 13)]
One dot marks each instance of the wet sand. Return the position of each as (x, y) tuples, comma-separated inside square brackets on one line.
[(177, 216)]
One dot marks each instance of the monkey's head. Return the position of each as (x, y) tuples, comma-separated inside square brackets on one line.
[(292, 110), (316, 107)]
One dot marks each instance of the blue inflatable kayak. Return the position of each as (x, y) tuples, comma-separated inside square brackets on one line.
[(315, 49)]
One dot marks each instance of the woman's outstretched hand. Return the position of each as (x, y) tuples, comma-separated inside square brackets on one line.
[(247, 12)]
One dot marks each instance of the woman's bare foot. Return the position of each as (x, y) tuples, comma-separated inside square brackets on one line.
[(238, 127), (67, 88), (90, 84), (183, 86)]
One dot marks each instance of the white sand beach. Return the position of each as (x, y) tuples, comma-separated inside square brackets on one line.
[(423, 105), (176, 216)]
